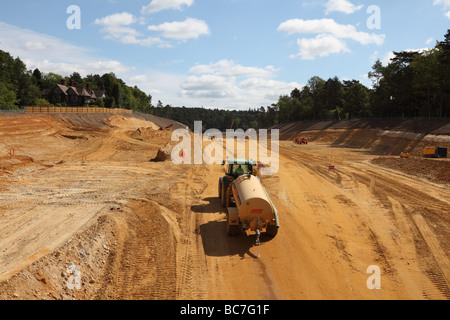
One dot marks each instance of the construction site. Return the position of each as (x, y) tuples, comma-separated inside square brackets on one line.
[(89, 209)]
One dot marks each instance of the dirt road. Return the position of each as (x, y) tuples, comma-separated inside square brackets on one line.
[(90, 198)]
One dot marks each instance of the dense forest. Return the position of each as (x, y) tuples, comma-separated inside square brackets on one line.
[(414, 84), (22, 87)]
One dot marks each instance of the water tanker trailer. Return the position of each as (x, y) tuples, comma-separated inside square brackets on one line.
[(249, 207)]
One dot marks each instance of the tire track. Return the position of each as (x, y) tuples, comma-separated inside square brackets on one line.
[(440, 278), (190, 259)]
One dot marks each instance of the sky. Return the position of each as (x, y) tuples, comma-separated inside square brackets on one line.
[(228, 54)]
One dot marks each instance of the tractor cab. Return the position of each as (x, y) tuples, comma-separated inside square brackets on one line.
[(235, 167)]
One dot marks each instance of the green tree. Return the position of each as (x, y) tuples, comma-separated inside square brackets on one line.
[(110, 102), (377, 73), (316, 85), (356, 100), (444, 74), (7, 72), (37, 76), (76, 78), (7, 96), (49, 80), (426, 73), (333, 94)]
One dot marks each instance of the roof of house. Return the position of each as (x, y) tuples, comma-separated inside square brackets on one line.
[(76, 91), (83, 92), (61, 87)]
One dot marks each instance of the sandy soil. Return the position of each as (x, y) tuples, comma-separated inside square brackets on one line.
[(87, 198)]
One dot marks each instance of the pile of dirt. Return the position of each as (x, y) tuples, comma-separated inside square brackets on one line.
[(164, 153), (435, 170), (161, 122), (55, 276), (9, 163), (131, 123), (149, 134), (100, 120)]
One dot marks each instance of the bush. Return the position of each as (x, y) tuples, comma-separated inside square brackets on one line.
[(43, 103)]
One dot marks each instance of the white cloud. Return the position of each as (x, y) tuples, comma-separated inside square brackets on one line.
[(34, 46), (117, 27), (228, 68), (445, 3), (116, 20), (319, 26), (430, 41), (387, 58), (182, 30), (323, 45), (51, 54), (209, 86), (329, 36), (159, 5), (207, 82), (227, 83), (344, 6), (140, 78), (162, 86), (271, 89), (373, 57)]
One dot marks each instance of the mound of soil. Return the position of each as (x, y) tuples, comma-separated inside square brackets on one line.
[(131, 123), (164, 153), (436, 170), (102, 120)]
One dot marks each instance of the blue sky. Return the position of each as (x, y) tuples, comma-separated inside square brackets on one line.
[(219, 53)]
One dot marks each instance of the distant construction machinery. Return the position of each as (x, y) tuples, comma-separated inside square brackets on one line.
[(435, 152), (301, 140)]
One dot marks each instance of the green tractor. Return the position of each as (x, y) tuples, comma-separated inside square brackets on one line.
[(234, 168)]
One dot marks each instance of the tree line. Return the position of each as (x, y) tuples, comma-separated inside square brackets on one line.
[(22, 87), (414, 84)]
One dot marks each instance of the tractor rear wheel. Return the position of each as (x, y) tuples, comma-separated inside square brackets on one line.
[(223, 196)]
